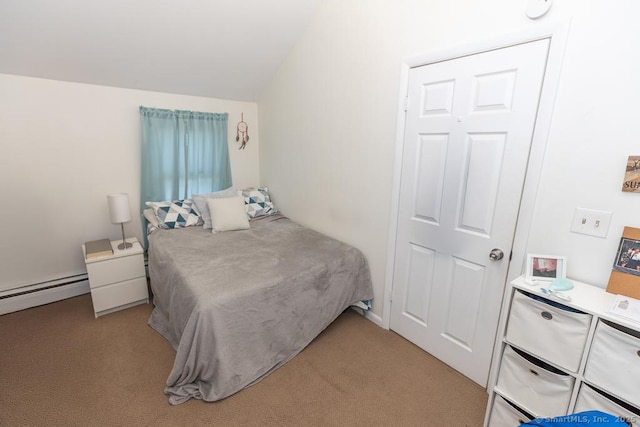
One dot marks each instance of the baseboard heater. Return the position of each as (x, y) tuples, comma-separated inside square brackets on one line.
[(43, 293)]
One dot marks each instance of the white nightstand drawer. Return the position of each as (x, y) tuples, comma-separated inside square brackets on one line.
[(549, 330), (590, 399), (614, 362), (503, 414), (546, 390), (114, 270), (112, 296)]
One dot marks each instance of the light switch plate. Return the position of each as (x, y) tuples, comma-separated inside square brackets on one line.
[(591, 222)]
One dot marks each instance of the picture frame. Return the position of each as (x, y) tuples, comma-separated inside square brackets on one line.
[(546, 268), (628, 256), (625, 273)]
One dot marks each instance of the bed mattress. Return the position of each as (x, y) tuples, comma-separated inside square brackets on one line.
[(237, 305)]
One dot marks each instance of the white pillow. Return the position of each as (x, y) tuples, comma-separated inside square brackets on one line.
[(201, 203), (228, 214)]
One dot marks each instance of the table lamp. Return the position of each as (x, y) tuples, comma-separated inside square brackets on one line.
[(120, 212)]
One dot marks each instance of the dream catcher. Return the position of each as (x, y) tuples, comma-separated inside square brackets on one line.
[(242, 132)]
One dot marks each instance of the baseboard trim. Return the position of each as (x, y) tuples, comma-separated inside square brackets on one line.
[(45, 296), (367, 314), (374, 318)]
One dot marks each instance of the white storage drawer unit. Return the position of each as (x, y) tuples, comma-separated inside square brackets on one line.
[(559, 356), (549, 330), (112, 270), (119, 280), (590, 399), (614, 361), (544, 390), (119, 294), (504, 414)]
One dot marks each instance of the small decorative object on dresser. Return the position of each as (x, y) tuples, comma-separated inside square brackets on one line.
[(119, 280), (546, 267)]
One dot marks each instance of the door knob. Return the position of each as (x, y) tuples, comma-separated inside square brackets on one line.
[(496, 254)]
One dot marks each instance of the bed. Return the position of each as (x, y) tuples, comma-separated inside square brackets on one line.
[(236, 305)]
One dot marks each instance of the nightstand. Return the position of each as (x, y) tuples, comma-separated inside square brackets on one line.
[(117, 281)]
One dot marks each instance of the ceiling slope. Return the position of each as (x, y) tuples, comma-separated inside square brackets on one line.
[(228, 49)]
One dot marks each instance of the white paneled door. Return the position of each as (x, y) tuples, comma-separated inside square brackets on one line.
[(468, 131)]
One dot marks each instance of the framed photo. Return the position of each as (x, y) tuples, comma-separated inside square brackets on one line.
[(625, 274), (628, 256), (546, 267)]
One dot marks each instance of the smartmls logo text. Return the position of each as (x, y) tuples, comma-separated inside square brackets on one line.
[(577, 419), (589, 419)]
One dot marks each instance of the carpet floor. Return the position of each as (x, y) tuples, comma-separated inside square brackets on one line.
[(59, 366)]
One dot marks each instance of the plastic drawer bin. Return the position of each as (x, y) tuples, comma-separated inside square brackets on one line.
[(590, 399), (505, 414), (614, 361), (545, 389), (552, 331)]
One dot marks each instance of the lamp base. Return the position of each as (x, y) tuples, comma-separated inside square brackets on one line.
[(125, 245)]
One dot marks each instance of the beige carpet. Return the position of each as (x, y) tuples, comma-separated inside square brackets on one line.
[(59, 366)]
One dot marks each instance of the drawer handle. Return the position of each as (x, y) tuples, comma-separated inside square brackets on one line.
[(546, 315), (534, 372), (638, 353)]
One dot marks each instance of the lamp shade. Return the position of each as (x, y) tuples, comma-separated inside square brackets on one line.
[(119, 209)]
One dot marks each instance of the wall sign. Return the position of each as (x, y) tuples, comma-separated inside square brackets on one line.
[(631, 181)]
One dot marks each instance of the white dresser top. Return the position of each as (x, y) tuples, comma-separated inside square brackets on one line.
[(588, 298)]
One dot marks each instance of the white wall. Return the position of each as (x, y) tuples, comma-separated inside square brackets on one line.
[(595, 129), (64, 146), (328, 119)]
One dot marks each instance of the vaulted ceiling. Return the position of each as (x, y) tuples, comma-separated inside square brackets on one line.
[(225, 49)]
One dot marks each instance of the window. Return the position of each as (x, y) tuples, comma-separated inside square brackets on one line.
[(183, 152)]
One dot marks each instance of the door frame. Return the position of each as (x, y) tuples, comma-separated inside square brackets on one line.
[(557, 33)]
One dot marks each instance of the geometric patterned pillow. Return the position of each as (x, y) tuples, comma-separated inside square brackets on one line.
[(176, 214), (257, 202)]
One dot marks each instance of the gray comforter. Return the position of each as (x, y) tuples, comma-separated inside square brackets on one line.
[(237, 305)]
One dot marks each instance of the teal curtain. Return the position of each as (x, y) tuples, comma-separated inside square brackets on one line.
[(183, 152)]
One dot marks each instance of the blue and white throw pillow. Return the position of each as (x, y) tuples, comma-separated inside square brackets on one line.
[(175, 214), (257, 202)]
